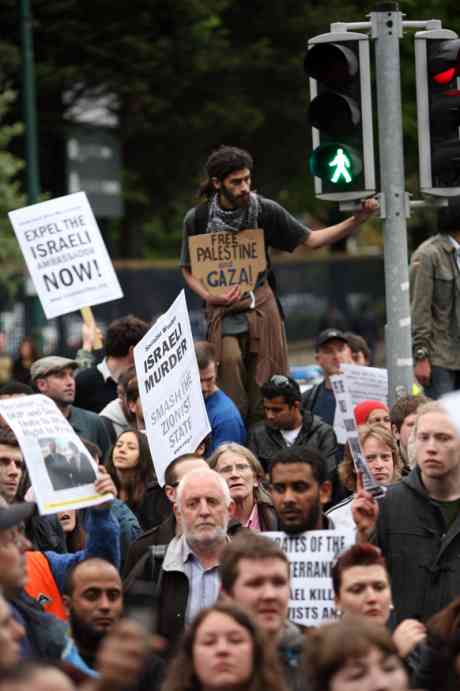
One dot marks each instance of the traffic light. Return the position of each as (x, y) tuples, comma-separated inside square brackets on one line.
[(437, 68), (340, 114)]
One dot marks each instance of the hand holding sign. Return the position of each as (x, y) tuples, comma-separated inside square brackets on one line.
[(365, 510), (226, 299), (223, 261), (105, 485)]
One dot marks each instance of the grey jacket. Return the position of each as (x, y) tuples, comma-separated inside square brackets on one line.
[(435, 301)]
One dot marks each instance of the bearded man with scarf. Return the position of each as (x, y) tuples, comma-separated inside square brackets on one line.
[(247, 329)]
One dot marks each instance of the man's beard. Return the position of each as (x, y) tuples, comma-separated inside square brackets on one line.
[(310, 523), (240, 202), (86, 637), (194, 539)]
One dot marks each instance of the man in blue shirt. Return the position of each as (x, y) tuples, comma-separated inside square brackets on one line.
[(224, 417)]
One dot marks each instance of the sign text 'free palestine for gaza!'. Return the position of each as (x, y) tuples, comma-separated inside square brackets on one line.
[(222, 260), (65, 254), (175, 415)]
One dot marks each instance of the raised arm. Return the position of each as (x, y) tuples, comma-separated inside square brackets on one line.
[(331, 234)]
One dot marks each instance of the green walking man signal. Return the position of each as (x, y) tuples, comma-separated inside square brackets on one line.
[(341, 162)]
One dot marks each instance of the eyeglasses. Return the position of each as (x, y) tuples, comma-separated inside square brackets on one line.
[(239, 467)]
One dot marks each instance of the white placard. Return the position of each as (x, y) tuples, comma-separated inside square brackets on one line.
[(61, 470), (311, 555), (451, 404), (362, 384), (366, 383), (65, 254), (345, 411), (174, 410)]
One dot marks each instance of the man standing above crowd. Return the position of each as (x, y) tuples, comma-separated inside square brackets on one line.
[(332, 351), (418, 522), (246, 329), (54, 376), (285, 425), (435, 299), (224, 416), (97, 386)]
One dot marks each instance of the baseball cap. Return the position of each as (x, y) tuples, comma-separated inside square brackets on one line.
[(14, 514), (47, 365), (329, 335)]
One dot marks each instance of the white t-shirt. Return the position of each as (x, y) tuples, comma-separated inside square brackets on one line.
[(290, 435)]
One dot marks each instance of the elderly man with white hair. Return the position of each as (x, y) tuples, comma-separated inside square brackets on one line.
[(188, 579)]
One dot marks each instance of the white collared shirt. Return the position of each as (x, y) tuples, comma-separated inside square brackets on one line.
[(104, 370)]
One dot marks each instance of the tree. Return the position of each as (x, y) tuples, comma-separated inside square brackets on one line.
[(11, 197)]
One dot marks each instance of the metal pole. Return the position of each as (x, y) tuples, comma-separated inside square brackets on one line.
[(386, 24), (33, 313), (29, 104)]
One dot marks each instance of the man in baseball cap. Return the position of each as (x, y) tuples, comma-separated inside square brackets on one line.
[(54, 376), (332, 351)]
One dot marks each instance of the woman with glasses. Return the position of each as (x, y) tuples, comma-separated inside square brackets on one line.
[(244, 476)]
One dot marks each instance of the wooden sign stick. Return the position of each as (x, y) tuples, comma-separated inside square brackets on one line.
[(88, 318)]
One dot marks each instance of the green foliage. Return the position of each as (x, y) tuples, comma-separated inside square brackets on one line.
[(11, 197), (189, 75)]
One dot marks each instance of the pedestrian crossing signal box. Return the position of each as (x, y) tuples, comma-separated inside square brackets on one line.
[(337, 65), (437, 65)]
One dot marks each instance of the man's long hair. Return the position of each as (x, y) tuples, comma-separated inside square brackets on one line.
[(222, 162)]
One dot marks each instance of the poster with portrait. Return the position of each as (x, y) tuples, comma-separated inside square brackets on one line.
[(61, 470)]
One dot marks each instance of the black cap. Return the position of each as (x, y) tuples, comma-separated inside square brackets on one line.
[(13, 514), (329, 335)]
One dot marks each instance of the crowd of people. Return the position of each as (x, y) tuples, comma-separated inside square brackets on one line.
[(181, 587)]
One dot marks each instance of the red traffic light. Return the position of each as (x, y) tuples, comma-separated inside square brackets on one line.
[(445, 77), (444, 65)]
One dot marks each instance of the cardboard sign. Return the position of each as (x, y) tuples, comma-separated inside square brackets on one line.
[(61, 470), (311, 555), (223, 260), (65, 254), (175, 414)]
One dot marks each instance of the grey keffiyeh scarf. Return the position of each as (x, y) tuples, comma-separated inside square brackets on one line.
[(233, 220)]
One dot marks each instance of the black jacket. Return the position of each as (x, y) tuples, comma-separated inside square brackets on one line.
[(265, 441), (422, 555)]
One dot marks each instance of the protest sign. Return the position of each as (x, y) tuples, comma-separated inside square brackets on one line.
[(311, 555), (451, 404), (345, 411), (366, 383), (175, 415), (61, 470), (223, 260), (65, 254), (362, 383)]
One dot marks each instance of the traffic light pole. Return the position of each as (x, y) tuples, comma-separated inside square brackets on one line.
[(386, 28)]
